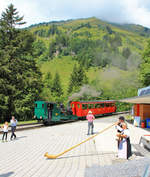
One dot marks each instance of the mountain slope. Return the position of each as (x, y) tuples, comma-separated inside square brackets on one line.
[(98, 46), (99, 40)]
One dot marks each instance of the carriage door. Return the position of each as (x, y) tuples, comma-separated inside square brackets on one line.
[(49, 110)]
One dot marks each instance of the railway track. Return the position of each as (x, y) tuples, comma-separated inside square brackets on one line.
[(25, 127), (39, 125)]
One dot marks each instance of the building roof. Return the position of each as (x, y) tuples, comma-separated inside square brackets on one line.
[(145, 99)]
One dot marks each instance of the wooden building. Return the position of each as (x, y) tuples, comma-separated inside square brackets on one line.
[(141, 103)]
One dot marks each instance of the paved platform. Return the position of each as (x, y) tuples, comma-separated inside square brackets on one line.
[(24, 157)]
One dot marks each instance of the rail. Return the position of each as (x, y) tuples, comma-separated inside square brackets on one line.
[(25, 127)]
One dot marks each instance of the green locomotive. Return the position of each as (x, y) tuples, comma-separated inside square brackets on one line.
[(50, 112)]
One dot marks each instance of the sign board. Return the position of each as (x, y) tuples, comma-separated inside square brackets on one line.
[(137, 121), (144, 91)]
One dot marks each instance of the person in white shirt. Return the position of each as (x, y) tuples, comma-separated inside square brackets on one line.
[(13, 124), (5, 131), (124, 149)]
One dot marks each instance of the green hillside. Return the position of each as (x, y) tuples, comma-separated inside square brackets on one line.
[(90, 41), (140, 30), (100, 47)]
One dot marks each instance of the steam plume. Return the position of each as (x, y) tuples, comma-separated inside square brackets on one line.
[(86, 90)]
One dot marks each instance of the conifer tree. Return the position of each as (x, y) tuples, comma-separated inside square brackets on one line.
[(46, 92), (56, 88), (77, 79), (48, 80), (19, 76)]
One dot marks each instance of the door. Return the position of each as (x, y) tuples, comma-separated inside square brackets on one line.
[(49, 110)]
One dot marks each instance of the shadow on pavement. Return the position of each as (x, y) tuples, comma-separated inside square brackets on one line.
[(7, 174), (20, 137)]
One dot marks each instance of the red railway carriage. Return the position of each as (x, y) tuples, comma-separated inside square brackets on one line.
[(81, 108)]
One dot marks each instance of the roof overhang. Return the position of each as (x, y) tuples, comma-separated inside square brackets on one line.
[(137, 100)]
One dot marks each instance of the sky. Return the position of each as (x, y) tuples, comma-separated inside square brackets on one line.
[(118, 11)]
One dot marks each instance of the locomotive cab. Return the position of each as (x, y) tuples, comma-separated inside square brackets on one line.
[(65, 111), (43, 111), (50, 107)]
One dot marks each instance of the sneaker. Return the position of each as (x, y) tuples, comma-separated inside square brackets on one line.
[(88, 134)]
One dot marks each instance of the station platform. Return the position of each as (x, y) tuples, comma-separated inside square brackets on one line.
[(24, 157)]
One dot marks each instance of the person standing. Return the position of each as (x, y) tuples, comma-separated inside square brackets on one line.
[(118, 126), (5, 131), (13, 124), (119, 123), (124, 149), (90, 117)]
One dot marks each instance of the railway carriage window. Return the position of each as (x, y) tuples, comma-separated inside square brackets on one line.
[(84, 106), (97, 105), (107, 104), (90, 106), (111, 104), (102, 105), (78, 105), (72, 105)]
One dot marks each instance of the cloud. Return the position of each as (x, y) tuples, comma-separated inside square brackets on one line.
[(139, 12), (119, 11)]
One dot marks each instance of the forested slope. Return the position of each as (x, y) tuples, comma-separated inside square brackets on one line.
[(109, 54)]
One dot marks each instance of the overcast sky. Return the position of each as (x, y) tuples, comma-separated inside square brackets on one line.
[(120, 11)]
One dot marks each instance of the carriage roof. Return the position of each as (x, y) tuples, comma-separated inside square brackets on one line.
[(97, 101)]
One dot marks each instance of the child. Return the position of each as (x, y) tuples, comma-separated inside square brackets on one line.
[(5, 131)]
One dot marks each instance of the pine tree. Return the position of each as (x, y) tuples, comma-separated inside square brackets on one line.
[(56, 88), (77, 79), (73, 80), (19, 75), (46, 92), (48, 80)]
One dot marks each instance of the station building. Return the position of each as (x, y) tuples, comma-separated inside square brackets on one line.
[(141, 106)]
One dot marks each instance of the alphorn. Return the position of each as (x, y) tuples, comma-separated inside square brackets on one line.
[(49, 156)]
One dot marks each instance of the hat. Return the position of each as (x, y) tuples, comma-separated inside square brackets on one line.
[(90, 112), (121, 118)]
